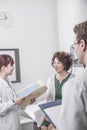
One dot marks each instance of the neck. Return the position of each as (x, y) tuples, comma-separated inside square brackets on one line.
[(85, 57), (3, 76), (62, 75), (85, 60)]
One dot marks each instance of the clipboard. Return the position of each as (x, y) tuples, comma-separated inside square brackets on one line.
[(52, 111)]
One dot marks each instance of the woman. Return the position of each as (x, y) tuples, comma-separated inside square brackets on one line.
[(9, 116), (61, 62)]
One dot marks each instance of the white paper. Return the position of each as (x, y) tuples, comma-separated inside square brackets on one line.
[(36, 113), (54, 114)]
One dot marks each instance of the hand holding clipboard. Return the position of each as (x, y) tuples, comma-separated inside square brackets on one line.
[(51, 110)]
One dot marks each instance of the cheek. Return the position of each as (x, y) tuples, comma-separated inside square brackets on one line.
[(76, 51), (12, 68), (61, 67)]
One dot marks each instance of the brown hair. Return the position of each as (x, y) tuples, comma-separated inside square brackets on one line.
[(5, 60), (64, 58), (81, 31)]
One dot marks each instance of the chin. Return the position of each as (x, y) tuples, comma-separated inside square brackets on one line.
[(79, 61)]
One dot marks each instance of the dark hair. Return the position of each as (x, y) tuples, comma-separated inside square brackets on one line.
[(64, 58), (81, 31), (5, 60)]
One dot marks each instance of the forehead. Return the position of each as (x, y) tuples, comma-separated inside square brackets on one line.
[(56, 59)]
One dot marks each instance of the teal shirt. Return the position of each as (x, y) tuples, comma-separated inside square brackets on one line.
[(58, 87)]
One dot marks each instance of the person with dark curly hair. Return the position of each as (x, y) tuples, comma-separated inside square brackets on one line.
[(61, 62)]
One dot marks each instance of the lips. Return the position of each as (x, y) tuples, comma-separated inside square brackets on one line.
[(56, 69)]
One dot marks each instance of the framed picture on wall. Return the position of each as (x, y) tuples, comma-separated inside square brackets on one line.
[(14, 53)]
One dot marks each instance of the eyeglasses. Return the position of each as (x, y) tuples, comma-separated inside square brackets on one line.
[(73, 45)]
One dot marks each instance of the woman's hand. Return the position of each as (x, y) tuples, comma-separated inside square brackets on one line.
[(46, 119), (32, 100), (18, 101)]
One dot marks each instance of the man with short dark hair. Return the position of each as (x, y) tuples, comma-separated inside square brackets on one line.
[(74, 101)]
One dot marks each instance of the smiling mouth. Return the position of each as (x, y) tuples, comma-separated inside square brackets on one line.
[(56, 69)]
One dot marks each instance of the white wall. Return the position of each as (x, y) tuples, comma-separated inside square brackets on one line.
[(70, 12), (40, 28), (35, 33)]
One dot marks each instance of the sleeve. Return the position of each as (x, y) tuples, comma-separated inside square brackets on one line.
[(84, 98), (5, 106), (49, 93)]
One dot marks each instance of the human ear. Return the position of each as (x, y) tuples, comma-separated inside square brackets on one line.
[(83, 45), (3, 68)]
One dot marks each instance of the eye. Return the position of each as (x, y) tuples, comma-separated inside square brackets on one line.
[(57, 63)]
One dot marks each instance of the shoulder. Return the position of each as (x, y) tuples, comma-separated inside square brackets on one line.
[(71, 76), (1, 82), (51, 78), (77, 83), (50, 81)]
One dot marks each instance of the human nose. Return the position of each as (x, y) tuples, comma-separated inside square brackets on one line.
[(73, 45), (55, 64)]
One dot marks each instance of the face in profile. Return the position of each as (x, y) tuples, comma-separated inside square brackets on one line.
[(9, 69), (58, 66)]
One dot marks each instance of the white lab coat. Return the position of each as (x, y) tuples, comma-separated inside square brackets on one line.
[(74, 104), (9, 116), (50, 94)]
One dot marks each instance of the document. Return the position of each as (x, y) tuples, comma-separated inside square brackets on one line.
[(35, 113), (31, 91), (53, 111)]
